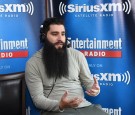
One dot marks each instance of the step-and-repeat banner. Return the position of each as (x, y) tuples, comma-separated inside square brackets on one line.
[(103, 30), (20, 21)]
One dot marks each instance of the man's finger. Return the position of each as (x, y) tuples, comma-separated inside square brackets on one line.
[(94, 91), (95, 80), (75, 102), (90, 93), (74, 99)]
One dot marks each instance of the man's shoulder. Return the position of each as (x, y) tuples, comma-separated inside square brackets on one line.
[(36, 56), (74, 51)]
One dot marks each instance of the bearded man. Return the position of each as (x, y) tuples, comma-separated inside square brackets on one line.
[(57, 74)]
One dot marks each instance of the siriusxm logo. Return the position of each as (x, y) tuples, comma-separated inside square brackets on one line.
[(29, 8), (107, 7), (114, 77)]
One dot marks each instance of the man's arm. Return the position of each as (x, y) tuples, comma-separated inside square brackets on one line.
[(95, 90), (35, 86), (91, 85)]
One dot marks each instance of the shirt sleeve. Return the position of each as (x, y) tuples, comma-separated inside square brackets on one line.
[(35, 87), (85, 74)]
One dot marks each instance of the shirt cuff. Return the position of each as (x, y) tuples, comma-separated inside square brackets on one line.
[(61, 110)]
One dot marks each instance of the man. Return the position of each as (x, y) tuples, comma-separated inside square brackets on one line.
[(56, 74)]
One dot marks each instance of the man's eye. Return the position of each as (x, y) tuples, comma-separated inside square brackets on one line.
[(54, 34)]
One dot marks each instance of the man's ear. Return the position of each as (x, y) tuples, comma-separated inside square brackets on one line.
[(43, 37)]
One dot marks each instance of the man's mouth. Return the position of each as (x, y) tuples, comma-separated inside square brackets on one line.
[(59, 43)]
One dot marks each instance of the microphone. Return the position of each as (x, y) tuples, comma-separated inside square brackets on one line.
[(68, 44)]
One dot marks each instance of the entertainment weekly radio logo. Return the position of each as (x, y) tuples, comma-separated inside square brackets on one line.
[(108, 79), (17, 8), (98, 48), (13, 49), (103, 7)]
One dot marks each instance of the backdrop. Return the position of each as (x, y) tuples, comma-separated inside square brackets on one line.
[(102, 29), (20, 22)]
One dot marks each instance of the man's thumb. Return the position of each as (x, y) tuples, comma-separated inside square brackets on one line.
[(65, 94)]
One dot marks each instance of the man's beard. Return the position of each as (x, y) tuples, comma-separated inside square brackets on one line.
[(55, 60)]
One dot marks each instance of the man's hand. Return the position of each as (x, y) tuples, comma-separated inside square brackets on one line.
[(94, 91), (69, 103)]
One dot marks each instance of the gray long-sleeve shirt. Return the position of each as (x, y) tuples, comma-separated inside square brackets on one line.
[(40, 85)]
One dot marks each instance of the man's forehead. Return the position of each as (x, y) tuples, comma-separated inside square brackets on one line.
[(57, 27)]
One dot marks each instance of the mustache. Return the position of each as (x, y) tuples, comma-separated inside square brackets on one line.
[(59, 42)]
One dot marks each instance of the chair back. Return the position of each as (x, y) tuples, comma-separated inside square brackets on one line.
[(12, 94)]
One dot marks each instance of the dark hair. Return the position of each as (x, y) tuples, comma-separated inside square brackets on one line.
[(46, 26)]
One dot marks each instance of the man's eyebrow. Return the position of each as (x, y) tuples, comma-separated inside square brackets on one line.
[(57, 32), (54, 32)]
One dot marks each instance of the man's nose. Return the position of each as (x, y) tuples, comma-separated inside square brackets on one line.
[(59, 37)]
